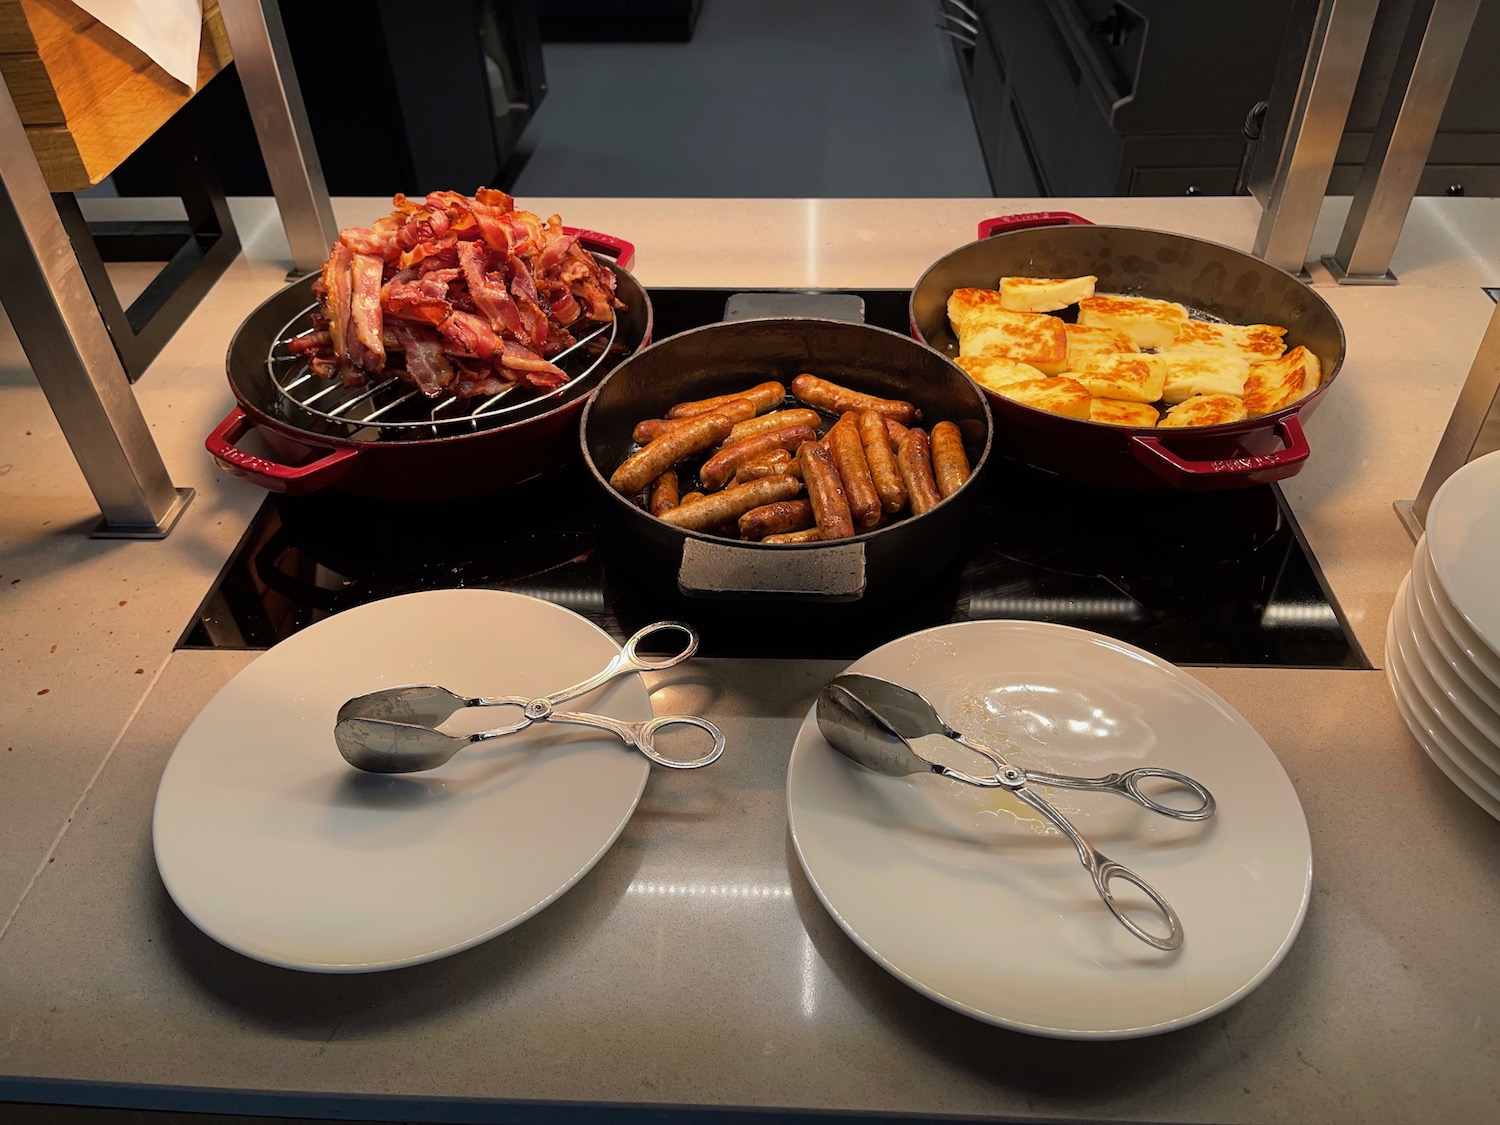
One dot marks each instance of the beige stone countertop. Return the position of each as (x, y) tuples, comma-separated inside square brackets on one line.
[(1385, 1008)]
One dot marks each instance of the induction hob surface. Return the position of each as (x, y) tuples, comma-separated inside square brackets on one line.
[(1223, 578)]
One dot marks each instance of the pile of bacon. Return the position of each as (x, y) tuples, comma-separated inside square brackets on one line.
[(474, 293)]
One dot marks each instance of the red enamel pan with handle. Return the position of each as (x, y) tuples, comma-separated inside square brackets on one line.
[(1213, 281)]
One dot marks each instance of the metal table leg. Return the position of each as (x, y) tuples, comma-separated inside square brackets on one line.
[(264, 62), (49, 302), (1341, 31), (1430, 52)]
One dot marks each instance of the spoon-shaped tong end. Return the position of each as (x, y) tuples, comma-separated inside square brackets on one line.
[(383, 746), (862, 735)]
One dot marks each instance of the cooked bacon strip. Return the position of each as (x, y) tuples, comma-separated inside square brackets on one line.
[(475, 292), (428, 367), (366, 348)]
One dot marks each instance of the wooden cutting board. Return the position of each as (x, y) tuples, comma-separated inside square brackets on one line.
[(87, 97)]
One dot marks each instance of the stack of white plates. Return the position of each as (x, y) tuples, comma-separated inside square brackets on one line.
[(1442, 645)]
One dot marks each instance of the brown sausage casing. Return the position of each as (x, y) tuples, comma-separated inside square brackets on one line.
[(778, 461), (915, 462), (710, 511), (881, 460), (950, 464), (720, 468), (650, 461), (811, 535), (825, 490), (848, 451), (765, 397), (776, 519), (736, 410), (775, 420), (664, 493), (836, 399)]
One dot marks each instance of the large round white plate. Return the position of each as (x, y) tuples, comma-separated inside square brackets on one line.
[(1436, 741), (1463, 542), (968, 897), (276, 847), (1459, 738), (1454, 652), (1479, 654), (1482, 721)]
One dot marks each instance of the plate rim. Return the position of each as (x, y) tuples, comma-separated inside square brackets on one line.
[(1481, 470), (1136, 1032), (349, 968)]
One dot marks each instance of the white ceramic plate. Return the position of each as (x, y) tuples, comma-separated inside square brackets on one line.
[(1463, 542), (1457, 736), (1483, 722), (1453, 652), (968, 897), (276, 847), (1479, 654), (1434, 739)]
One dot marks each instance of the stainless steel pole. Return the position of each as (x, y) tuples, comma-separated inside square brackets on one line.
[(1473, 430), (43, 290), (264, 62), (1428, 60), (1341, 31)]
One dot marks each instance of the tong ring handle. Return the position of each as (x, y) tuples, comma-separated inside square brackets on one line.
[(1105, 871), (629, 660), (1128, 785), (642, 736)]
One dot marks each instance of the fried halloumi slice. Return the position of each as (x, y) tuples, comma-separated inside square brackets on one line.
[(1117, 413), (1149, 322), (1281, 382), (1205, 410), (1085, 342), (984, 327), (1060, 396), (995, 371), (1255, 342), (1044, 294), (1202, 373), (1129, 378)]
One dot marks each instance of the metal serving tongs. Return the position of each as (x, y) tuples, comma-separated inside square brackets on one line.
[(893, 730), (394, 730)]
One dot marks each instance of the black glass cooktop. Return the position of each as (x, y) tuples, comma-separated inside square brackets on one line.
[(1223, 579)]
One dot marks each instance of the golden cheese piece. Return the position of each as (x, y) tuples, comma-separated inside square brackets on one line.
[(1254, 342), (1149, 322), (1128, 378), (1117, 413), (1085, 342), (1058, 395), (1281, 382), (1205, 410), (1205, 373), (995, 371), (985, 327), (1044, 294)]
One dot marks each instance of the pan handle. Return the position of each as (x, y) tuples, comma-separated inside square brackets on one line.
[(1261, 468), (826, 573), (293, 480), (617, 248), (1026, 220)]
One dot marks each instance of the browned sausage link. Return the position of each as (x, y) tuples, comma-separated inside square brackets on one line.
[(777, 461), (950, 464), (811, 535), (650, 461), (849, 458), (719, 469), (772, 421), (690, 498), (776, 519), (895, 431), (825, 490), (664, 494), (723, 507), (764, 397), (736, 410), (882, 461), (823, 395), (916, 472)]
